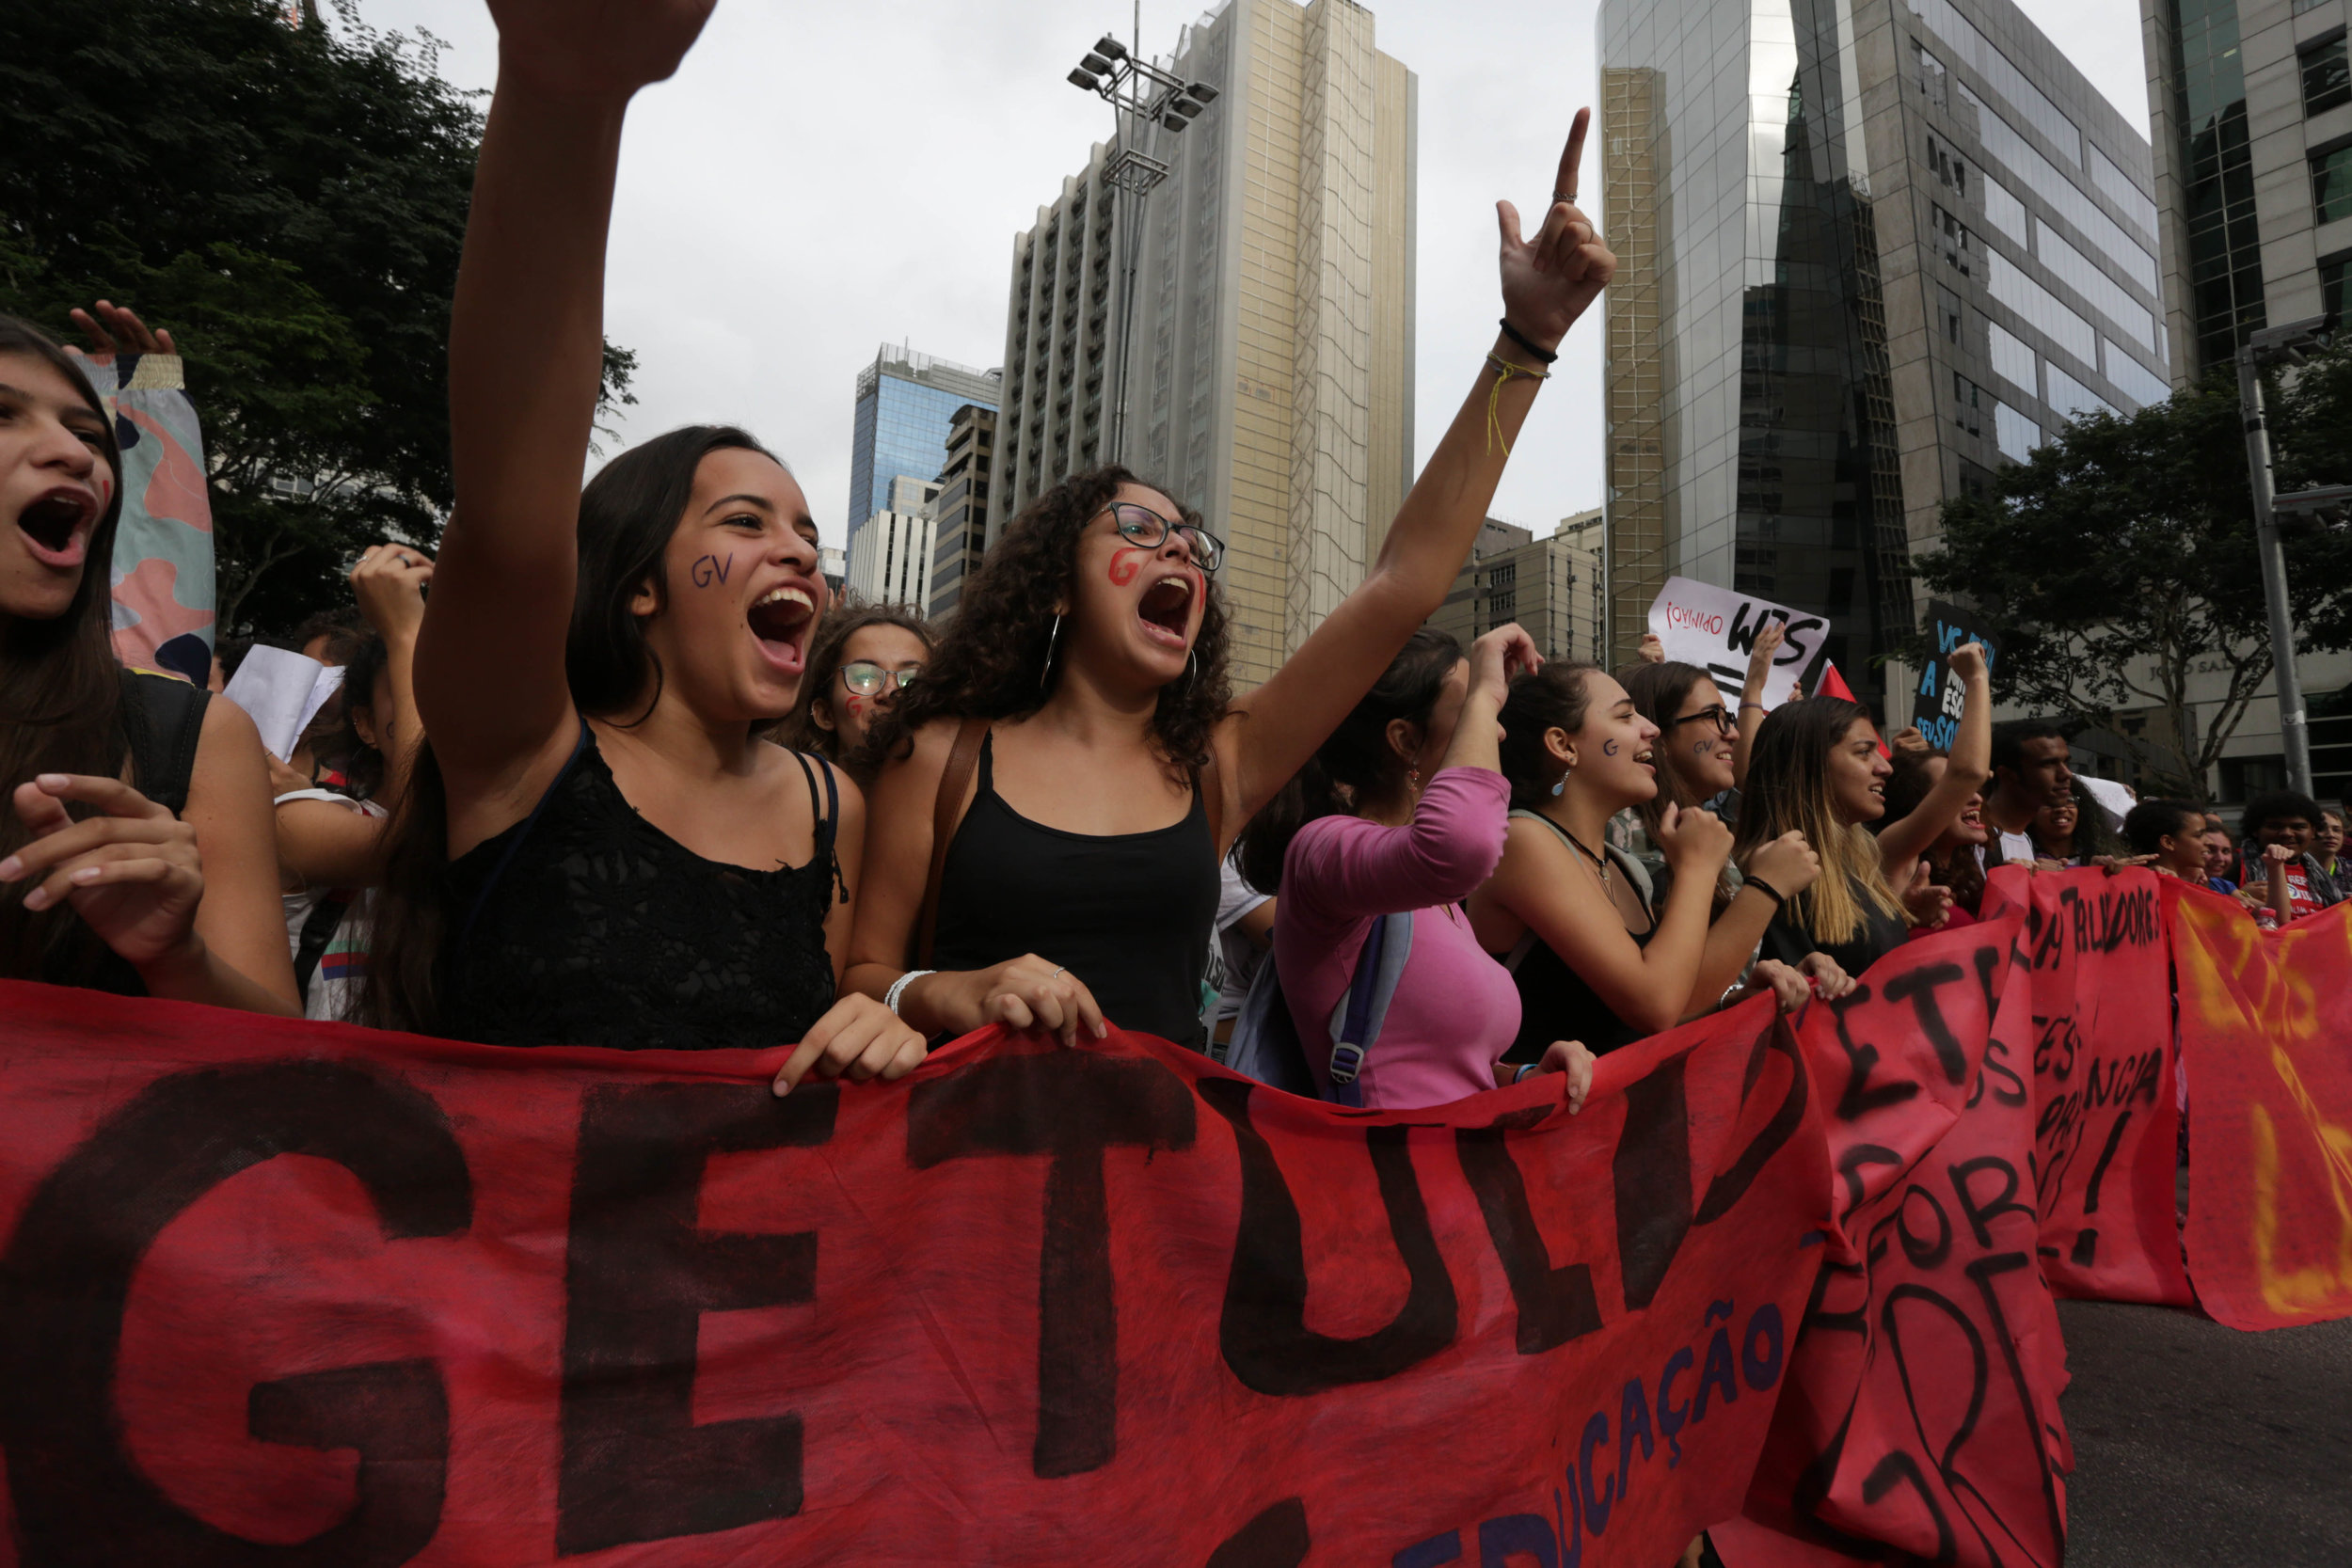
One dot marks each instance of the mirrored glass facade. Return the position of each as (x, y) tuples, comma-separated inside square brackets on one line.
[(1851, 234), (905, 402)]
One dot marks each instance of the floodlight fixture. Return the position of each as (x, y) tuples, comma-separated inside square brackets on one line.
[(1110, 48), (1096, 64), (1202, 91), (1185, 106), (1079, 78), (2291, 343)]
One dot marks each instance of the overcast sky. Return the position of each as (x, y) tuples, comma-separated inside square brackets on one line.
[(821, 179)]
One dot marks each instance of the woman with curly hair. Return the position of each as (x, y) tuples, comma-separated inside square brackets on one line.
[(1060, 790), (862, 657)]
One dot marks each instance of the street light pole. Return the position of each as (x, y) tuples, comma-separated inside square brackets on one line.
[(2277, 345), (2293, 726), (1144, 99)]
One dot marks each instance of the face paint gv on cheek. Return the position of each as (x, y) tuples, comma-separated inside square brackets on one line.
[(1125, 562), (1701, 748), (709, 568)]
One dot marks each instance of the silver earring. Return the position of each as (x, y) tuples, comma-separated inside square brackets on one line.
[(1045, 674), (1192, 667), (1562, 788)]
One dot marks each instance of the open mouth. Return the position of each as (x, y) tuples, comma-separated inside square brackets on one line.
[(1647, 758), (780, 619), (55, 523), (1166, 610)]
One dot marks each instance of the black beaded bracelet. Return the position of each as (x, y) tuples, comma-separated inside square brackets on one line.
[(1766, 888), (1524, 342)]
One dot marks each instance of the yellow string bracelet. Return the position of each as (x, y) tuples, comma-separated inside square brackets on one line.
[(1494, 398)]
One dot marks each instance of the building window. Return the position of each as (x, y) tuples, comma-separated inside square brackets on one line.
[(2335, 285), (2331, 184), (1953, 235), (1949, 303), (1969, 402), (2326, 76), (2224, 244), (1932, 75)]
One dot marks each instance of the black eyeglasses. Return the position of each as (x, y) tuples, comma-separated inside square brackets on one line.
[(1719, 716), (865, 677), (1140, 525)]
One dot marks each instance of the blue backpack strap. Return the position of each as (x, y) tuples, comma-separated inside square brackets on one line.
[(1357, 1020)]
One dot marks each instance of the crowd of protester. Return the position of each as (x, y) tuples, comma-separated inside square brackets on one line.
[(615, 767)]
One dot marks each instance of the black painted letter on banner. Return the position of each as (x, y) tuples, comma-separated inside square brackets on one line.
[(1071, 1105), (67, 1274), (1263, 1331), (639, 1275), (1554, 1305)]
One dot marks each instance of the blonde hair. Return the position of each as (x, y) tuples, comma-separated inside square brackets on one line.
[(1787, 786)]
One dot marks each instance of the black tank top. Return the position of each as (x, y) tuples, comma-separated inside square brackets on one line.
[(585, 924), (1128, 914), (1555, 1003)]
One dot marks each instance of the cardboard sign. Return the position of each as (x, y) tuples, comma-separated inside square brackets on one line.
[(283, 1290), (1937, 701), (1715, 629)]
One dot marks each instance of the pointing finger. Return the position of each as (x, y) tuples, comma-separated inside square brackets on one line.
[(1564, 186)]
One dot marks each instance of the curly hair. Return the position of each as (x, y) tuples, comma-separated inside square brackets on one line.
[(849, 616), (991, 662)]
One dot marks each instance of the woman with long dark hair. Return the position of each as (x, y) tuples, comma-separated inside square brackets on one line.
[(135, 856), (1064, 780), (1401, 811), (1951, 861), (862, 656), (1698, 752), (1595, 955), (599, 849)]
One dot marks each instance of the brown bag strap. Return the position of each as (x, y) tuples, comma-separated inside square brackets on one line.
[(946, 816), (1211, 786)]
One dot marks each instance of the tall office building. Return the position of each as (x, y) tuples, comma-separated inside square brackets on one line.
[(2250, 106), (890, 554), (962, 511), (1270, 376), (1553, 588), (1869, 249), (905, 404)]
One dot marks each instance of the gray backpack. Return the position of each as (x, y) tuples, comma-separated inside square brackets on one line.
[(1265, 1044)]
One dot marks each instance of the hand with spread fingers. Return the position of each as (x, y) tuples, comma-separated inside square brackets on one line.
[(131, 872), (1552, 277), (857, 1038), (1929, 903), (114, 329)]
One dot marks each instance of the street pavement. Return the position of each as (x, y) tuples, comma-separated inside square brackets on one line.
[(2199, 1447)]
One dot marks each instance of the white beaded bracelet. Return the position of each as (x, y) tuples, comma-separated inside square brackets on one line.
[(898, 988)]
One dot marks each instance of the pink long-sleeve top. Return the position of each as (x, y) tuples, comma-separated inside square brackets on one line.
[(1455, 1010)]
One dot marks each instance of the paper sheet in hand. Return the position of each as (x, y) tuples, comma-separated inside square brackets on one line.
[(283, 692), (1715, 629)]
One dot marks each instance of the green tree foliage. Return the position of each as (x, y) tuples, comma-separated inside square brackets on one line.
[(290, 200), (2119, 565)]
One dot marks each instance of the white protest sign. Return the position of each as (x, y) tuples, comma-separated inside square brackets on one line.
[(283, 692), (1715, 629)]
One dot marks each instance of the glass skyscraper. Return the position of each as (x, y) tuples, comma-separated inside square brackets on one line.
[(905, 402), (1869, 249)]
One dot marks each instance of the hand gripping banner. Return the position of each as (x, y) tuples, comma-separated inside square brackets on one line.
[(277, 1293), (2267, 1050)]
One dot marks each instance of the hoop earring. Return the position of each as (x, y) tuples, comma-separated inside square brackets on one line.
[(1045, 671), (1192, 667)]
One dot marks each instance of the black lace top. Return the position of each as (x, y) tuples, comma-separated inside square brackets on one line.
[(585, 924)]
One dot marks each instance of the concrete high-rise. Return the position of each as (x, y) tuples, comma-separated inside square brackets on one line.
[(961, 513), (1269, 379), (890, 554), (1869, 249), (2250, 106), (905, 404), (1551, 587)]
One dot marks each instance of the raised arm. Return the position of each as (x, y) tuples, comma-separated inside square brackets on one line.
[(1548, 282), (1760, 652), (1964, 773), (526, 361)]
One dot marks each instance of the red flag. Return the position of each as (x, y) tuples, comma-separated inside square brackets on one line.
[(1833, 685)]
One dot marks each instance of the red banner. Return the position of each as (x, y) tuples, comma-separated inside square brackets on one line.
[(2107, 1110), (1921, 1414), (275, 1290), (2268, 1054)]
